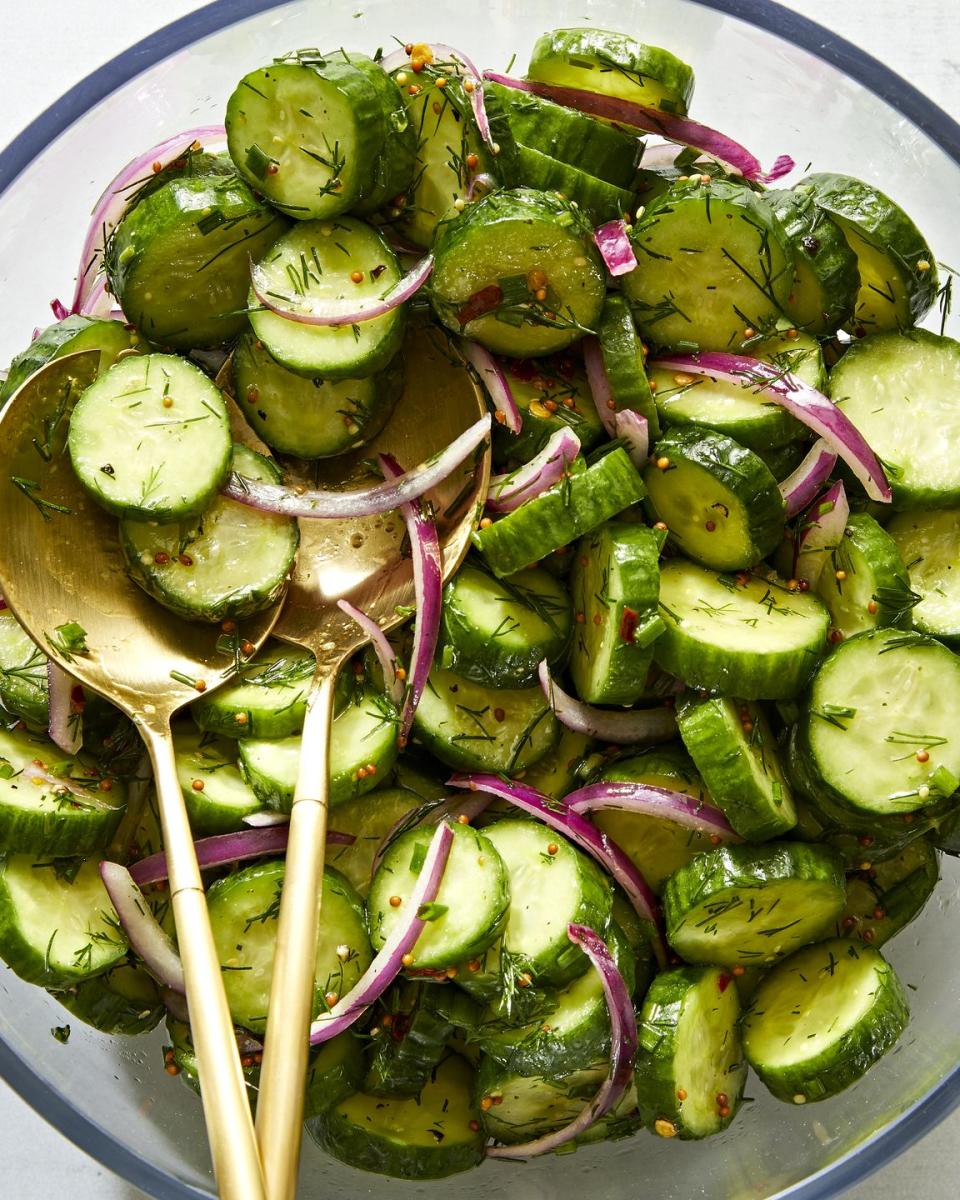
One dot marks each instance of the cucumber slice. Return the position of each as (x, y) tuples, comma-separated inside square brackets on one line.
[(690, 1071), (150, 439), (598, 200), (898, 273), (69, 336), (57, 925), (826, 280), (721, 504), (551, 393), (307, 134), (735, 752), (369, 818), (819, 1021), (409, 1040), (364, 740), (431, 1136), (886, 898), (317, 260), (471, 906), (233, 561), (865, 584), (499, 255), (216, 794), (899, 390), (179, 261), (880, 724), (52, 803), (605, 151), (395, 166), (311, 418), (244, 909), (744, 635), (615, 586), (472, 727), (498, 632), (623, 361), (717, 267), (558, 772), (124, 1001), (596, 60), (23, 673), (929, 544), (752, 904), (656, 846), (524, 1107), (580, 502)]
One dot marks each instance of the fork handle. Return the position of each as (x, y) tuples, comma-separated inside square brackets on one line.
[(286, 1047), (233, 1146)]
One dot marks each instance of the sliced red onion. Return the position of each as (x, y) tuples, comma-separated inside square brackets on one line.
[(147, 938), (801, 485), (65, 724), (432, 812), (389, 962), (600, 388), (650, 801), (428, 595), (304, 311), (507, 492), (624, 1042), (584, 833), (613, 242), (265, 819), (494, 380), (482, 182), (225, 848), (654, 120), (801, 400), (623, 727), (99, 303), (113, 202), (821, 531), (634, 430), (176, 1004), (363, 502), (59, 310), (385, 653)]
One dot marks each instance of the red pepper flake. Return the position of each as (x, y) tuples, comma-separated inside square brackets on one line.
[(480, 303), (628, 625), (724, 981)]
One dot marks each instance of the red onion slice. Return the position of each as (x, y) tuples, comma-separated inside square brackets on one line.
[(364, 502), (600, 388), (801, 485), (144, 933), (649, 801), (654, 120), (385, 653), (580, 831), (428, 593), (59, 310), (304, 311), (65, 723), (507, 492), (634, 430), (624, 1041), (821, 530), (389, 962), (801, 400), (494, 380), (265, 819), (613, 242), (623, 727)]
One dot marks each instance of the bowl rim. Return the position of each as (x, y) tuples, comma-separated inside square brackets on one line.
[(887, 1143)]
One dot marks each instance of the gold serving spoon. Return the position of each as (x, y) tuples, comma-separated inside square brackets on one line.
[(60, 562), (359, 560)]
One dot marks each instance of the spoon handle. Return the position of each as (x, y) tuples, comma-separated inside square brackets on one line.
[(286, 1047), (233, 1146)]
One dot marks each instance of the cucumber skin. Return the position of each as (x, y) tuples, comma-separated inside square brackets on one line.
[(894, 599), (901, 898), (94, 1002), (597, 200), (395, 164), (623, 361), (400, 1067), (31, 832), (595, 495), (59, 338)]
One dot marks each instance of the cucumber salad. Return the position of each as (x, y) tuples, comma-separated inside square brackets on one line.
[(633, 802)]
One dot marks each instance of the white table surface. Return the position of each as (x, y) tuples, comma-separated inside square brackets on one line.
[(53, 43)]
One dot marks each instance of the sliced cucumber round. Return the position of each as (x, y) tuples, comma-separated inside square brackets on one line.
[(819, 1021), (150, 439), (864, 583), (317, 261), (551, 394), (887, 896), (929, 544), (558, 772), (499, 256), (369, 818), (69, 336), (719, 501), (690, 1071), (232, 561), (743, 635), (23, 673), (122, 1002), (598, 200), (752, 904), (623, 357), (215, 793), (522, 1108)]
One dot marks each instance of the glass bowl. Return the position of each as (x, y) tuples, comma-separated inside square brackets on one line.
[(765, 75)]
